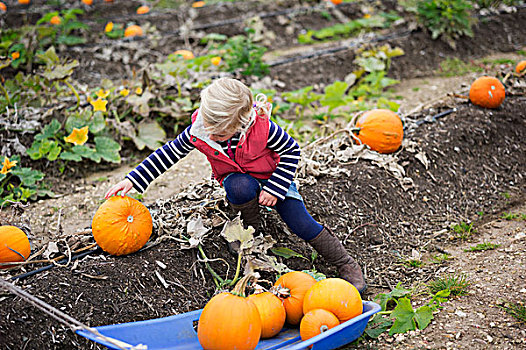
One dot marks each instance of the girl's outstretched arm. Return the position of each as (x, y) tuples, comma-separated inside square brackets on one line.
[(124, 186)]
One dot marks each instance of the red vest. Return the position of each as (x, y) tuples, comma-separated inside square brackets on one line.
[(252, 157)]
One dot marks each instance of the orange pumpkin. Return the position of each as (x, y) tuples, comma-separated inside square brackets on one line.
[(187, 55), (133, 30), (87, 2), (14, 245), (297, 283), (521, 67), (381, 130), (487, 92), (141, 10), (335, 295), (230, 321), (271, 311), (197, 4), (336, 2), (55, 20), (122, 225), (317, 321), (216, 60), (24, 2), (3, 7)]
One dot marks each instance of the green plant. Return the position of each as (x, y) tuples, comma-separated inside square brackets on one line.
[(509, 216), (451, 67), (240, 52), (506, 195), (413, 262), (19, 184), (63, 33), (516, 310), (303, 97), (456, 284), (449, 19), (463, 230), (440, 258), (482, 246)]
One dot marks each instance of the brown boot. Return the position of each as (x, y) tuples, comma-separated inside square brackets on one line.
[(333, 251), (249, 212), (250, 216)]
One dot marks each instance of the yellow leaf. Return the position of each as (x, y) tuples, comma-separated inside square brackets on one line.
[(78, 136), (124, 92), (102, 93), (99, 105), (138, 91), (109, 27)]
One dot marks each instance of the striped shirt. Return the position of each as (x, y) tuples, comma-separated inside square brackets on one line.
[(169, 154)]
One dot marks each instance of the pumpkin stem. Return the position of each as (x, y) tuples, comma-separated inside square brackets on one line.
[(324, 328), (130, 219), (240, 287)]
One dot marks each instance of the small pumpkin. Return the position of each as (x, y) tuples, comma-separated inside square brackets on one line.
[(336, 2), (521, 67), (55, 20), (122, 225), (141, 10), (87, 2), (230, 321), (335, 295), (487, 92), (197, 4), (14, 245), (133, 30), (297, 283), (380, 129), (216, 60), (271, 311), (317, 321), (3, 7), (24, 2), (186, 54)]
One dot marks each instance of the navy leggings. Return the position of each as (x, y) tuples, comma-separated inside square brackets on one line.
[(242, 188)]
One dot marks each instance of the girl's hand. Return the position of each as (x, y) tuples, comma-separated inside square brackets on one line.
[(267, 199), (125, 186)]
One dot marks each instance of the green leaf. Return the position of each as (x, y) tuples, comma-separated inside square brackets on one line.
[(95, 121), (403, 314), (66, 155), (377, 326), (54, 151), (140, 103), (60, 71), (149, 134), (49, 57), (423, 316), (49, 131), (335, 95), (70, 40), (28, 176), (108, 149), (286, 253)]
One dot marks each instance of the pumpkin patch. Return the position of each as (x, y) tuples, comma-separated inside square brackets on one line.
[(122, 225)]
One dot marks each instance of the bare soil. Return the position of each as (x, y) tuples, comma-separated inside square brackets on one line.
[(477, 164)]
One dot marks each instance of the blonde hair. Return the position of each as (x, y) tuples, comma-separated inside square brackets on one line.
[(227, 105)]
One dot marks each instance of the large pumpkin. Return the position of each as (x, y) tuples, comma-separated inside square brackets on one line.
[(317, 321), (380, 129), (271, 311), (122, 225), (230, 321), (297, 283), (487, 92), (335, 295), (14, 245)]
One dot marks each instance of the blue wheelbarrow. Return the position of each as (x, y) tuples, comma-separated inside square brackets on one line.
[(178, 332)]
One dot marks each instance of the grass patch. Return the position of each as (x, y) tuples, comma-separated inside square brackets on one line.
[(509, 216), (482, 247), (440, 258), (457, 284), (516, 310), (463, 230), (451, 67)]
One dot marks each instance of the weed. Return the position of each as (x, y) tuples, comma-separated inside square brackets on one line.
[(449, 19), (416, 89), (463, 231), (440, 258), (482, 246), (412, 262), (516, 310), (509, 216), (480, 213), (506, 195), (457, 284)]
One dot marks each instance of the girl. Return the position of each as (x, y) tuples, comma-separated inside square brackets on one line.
[(255, 161)]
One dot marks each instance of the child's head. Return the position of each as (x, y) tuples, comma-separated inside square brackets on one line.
[(227, 107)]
